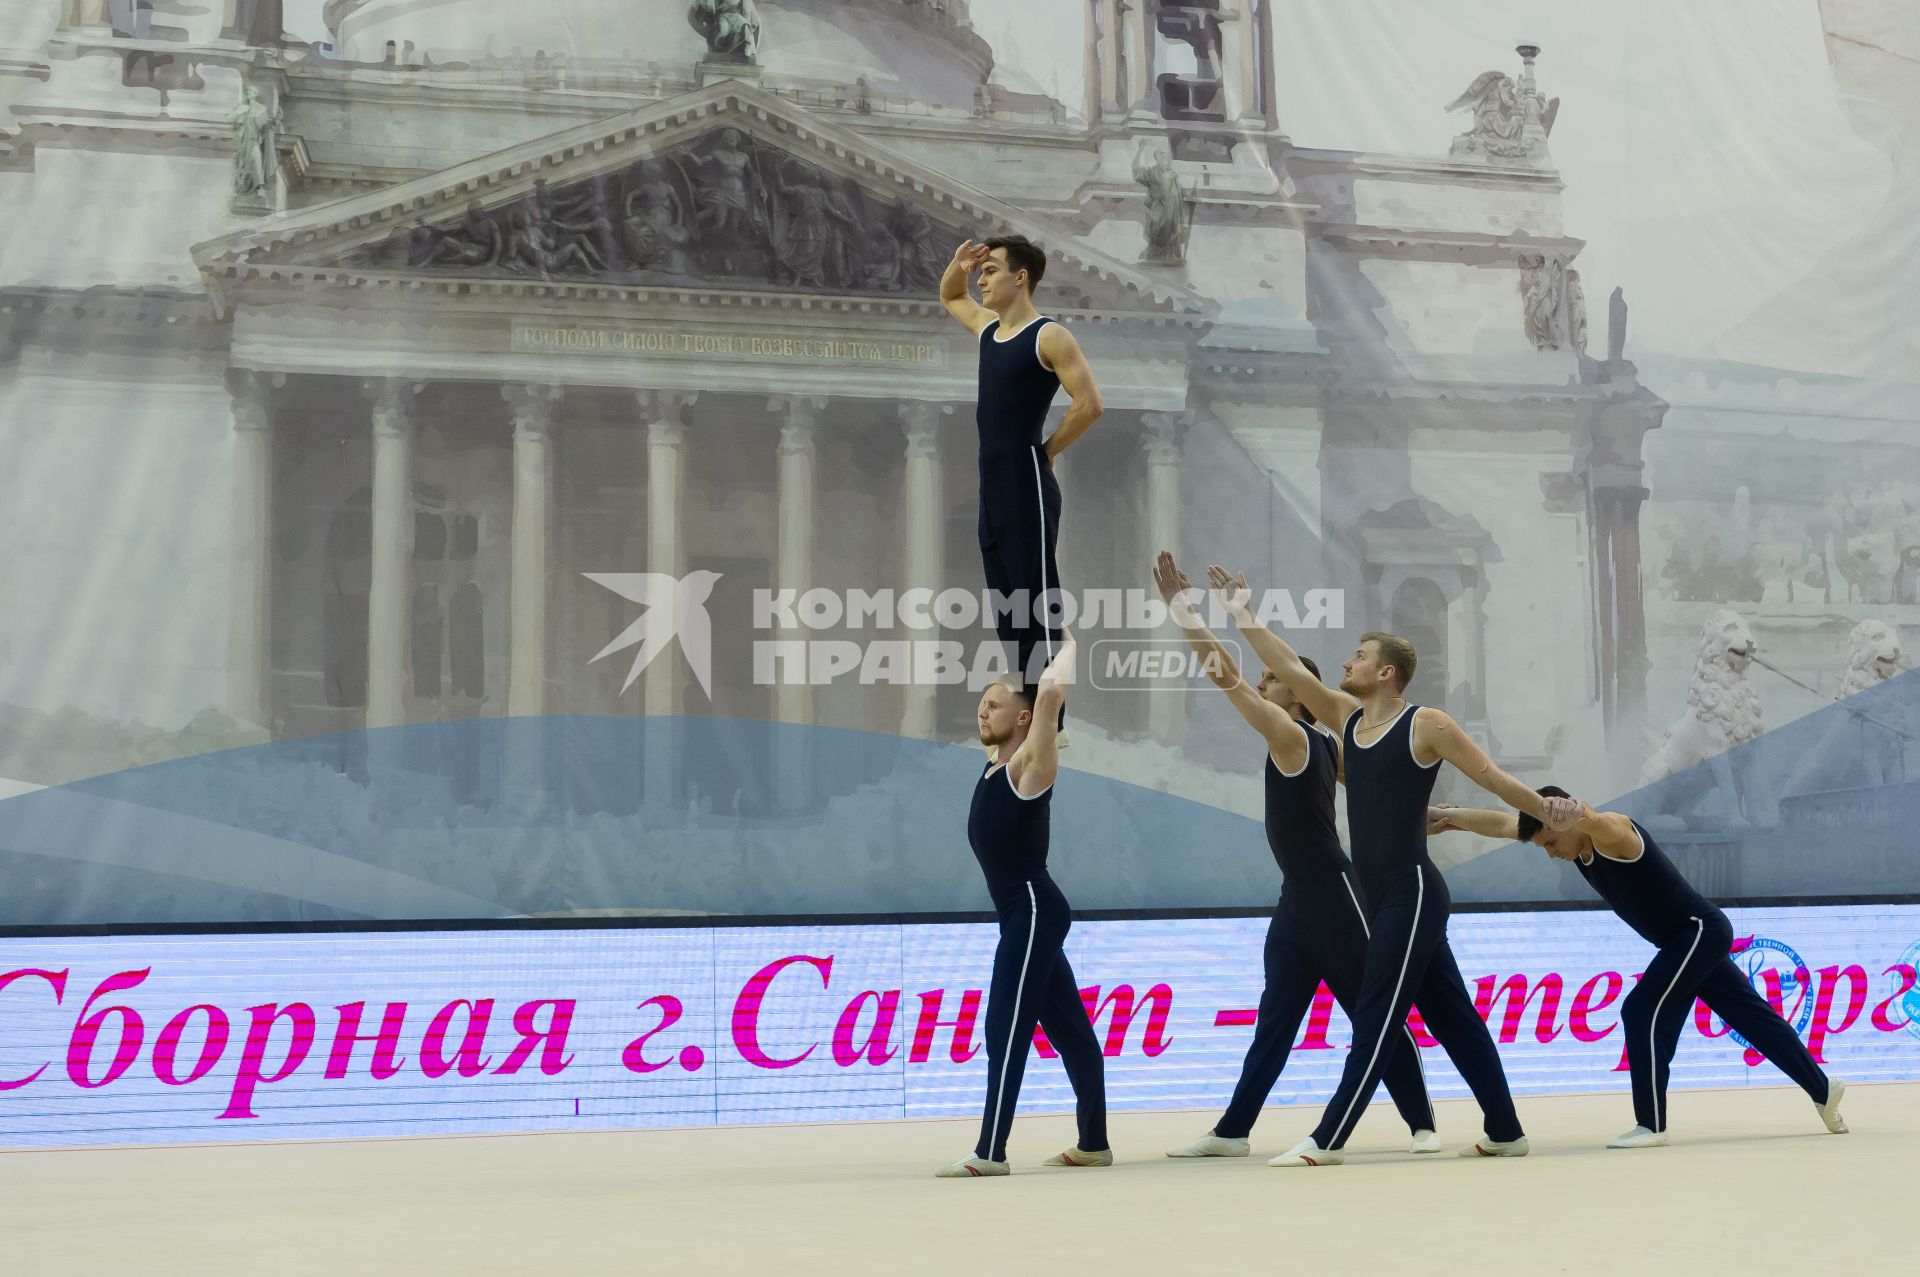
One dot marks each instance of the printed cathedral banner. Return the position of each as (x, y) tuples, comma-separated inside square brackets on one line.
[(487, 461)]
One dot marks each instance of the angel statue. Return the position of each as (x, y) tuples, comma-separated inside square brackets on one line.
[(1542, 289), (1500, 106), (731, 28), (1576, 313)]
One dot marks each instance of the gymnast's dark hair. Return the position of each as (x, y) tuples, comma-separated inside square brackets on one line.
[(1023, 254), (1530, 825), (1315, 671)]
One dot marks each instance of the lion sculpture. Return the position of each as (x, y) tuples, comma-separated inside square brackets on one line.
[(1723, 710), (1861, 746), (1873, 657)]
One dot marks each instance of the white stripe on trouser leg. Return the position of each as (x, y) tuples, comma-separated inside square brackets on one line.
[(1013, 1030), (1653, 1028), (1386, 1026), (1413, 1043), (1365, 930), (1040, 495)]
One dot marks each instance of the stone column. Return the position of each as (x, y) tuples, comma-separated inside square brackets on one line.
[(1603, 606), (1616, 535), (531, 408), (1094, 73), (1106, 85), (665, 415), (1632, 605), (666, 418), (1137, 90), (1235, 63), (1463, 652), (923, 511), (793, 566), (793, 570), (1615, 468), (1255, 65), (389, 600), (1162, 440), (251, 602), (525, 738), (255, 22)]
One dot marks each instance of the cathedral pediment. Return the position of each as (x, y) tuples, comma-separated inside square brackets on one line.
[(726, 188)]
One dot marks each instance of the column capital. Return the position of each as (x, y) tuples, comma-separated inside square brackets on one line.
[(922, 419), (665, 415), (1617, 479), (1614, 454), (1164, 435), (252, 396), (665, 405), (802, 415), (394, 400), (1562, 492), (530, 404), (796, 438), (1624, 497), (665, 432)]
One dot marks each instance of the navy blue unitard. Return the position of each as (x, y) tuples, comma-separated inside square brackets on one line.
[(1019, 499), (1408, 959), (1318, 932), (1692, 937), (1032, 980)]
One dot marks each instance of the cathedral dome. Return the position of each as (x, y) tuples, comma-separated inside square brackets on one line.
[(922, 50)]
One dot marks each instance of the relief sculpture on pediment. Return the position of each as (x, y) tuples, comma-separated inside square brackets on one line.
[(725, 208)]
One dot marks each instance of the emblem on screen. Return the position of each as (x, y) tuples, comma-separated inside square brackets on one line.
[(1750, 954), (1911, 999), (675, 605)]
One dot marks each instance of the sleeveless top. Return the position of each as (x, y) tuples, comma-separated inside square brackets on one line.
[(1016, 390), (1650, 894), (1387, 795), (1008, 832), (1301, 831)]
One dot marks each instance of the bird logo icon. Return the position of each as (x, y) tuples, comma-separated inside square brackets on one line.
[(674, 606)]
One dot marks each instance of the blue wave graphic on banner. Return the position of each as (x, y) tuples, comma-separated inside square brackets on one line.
[(501, 818), (1824, 805), (584, 816)]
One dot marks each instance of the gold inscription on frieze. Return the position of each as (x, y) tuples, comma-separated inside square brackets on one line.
[(607, 339)]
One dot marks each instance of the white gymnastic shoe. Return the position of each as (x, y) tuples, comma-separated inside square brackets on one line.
[(1425, 1142), (972, 1168), (1639, 1137), (1830, 1111), (1211, 1145), (1077, 1156), (1485, 1147), (1307, 1153)]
